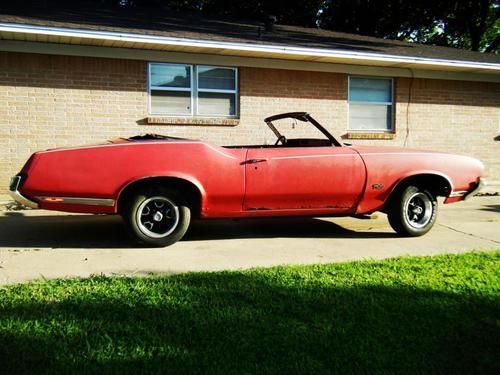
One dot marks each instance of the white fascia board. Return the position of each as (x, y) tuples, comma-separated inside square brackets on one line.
[(231, 46), (237, 61)]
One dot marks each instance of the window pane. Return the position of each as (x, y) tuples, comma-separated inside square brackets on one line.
[(370, 117), (170, 75), (216, 78), (171, 102), (210, 103), (370, 90)]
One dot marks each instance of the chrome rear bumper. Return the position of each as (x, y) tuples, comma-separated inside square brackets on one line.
[(17, 196)]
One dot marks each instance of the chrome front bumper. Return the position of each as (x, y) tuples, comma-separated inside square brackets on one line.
[(476, 190), (17, 196)]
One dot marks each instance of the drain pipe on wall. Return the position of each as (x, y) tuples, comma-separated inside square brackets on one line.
[(410, 86)]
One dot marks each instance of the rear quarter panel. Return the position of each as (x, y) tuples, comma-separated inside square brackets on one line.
[(104, 171)]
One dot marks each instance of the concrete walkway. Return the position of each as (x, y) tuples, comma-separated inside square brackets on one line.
[(41, 244)]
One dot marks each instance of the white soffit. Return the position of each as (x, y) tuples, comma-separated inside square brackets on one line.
[(32, 33)]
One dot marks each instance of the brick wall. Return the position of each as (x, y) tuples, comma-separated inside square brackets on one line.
[(52, 101)]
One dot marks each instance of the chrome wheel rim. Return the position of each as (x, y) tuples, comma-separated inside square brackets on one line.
[(157, 217), (418, 210)]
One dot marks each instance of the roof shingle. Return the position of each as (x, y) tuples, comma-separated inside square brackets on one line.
[(193, 26)]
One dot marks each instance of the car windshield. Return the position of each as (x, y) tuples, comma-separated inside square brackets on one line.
[(292, 128), (299, 125), (295, 129)]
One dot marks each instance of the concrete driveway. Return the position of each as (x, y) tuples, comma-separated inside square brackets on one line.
[(41, 244)]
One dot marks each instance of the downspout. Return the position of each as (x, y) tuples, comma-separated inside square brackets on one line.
[(410, 86)]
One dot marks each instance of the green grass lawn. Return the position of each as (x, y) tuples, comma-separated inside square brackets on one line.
[(407, 315)]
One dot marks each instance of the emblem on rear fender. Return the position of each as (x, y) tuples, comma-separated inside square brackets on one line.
[(377, 186)]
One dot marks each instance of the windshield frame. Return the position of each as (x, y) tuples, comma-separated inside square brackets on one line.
[(301, 116)]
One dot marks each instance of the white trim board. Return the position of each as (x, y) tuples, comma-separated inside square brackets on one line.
[(212, 59)]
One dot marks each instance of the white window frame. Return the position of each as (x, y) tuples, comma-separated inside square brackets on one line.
[(194, 91), (391, 103), (219, 91), (181, 89)]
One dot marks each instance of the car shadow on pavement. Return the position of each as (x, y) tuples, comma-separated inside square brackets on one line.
[(107, 231), (491, 207), (299, 227), (62, 231)]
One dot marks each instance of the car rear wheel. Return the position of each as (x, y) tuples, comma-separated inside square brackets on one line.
[(157, 217), (413, 212)]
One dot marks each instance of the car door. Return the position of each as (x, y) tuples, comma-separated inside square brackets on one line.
[(285, 178)]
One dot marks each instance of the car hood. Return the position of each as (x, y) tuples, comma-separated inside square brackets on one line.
[(371, 151)]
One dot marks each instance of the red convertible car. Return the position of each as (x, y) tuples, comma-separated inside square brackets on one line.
[(159, 183)]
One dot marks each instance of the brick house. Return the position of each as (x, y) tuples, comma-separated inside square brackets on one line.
[(70, 78)]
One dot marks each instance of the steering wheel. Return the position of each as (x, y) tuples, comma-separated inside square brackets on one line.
[(281, 139)]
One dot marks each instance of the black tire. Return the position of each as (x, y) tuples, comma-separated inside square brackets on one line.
[(157, 217), (413, 211)]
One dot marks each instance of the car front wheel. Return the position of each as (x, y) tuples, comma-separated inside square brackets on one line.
[(157, 217), (413, 212)]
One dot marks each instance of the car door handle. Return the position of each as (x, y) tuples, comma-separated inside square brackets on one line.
[(253, 161)]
